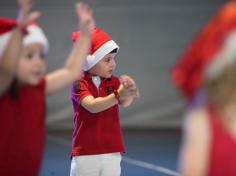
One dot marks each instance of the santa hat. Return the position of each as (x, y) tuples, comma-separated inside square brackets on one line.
[(101, 45), (34, 34), (209, 53), (6, 26)]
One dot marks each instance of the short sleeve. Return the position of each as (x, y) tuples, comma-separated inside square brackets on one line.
[(80, 90)]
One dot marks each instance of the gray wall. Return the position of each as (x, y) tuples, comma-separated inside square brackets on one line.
[(152, 35)]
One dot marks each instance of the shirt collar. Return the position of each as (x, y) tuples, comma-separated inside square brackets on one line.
[(89, 76)]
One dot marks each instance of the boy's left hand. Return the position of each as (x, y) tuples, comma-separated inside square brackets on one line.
[(130, 85)]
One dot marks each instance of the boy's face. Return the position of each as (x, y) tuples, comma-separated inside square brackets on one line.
[(32, 65), (105, 67)]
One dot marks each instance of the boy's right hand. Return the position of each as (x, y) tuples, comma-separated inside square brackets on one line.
[(26, 16), (123, 92), (86, 19)]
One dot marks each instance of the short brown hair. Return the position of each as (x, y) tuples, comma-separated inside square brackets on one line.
[(221, 90)]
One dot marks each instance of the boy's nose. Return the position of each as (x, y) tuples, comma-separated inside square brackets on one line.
[(113, 63), (38, 61)]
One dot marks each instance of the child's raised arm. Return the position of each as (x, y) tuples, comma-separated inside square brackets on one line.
[(195, 147), (9, 56), (72, 70)]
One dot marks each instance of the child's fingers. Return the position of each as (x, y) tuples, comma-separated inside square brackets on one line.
[(23, 2), (24, 20), (133, 91), (125, 84), (133, 88), (80, 8), (33, 16), (130, 85), (128, 79), (26, 4), (85, 14)]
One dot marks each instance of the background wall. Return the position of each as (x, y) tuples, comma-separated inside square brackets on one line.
[(152, 34)]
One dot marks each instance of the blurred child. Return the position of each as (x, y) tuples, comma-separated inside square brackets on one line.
[(22, 102), (207, 76), (97, 138), (11, 36)]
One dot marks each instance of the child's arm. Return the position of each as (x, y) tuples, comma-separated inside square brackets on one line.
[(126, 94), (72, 70), (95, 105), (195, 147), (10, 56)]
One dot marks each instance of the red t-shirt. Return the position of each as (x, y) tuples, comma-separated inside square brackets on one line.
[(22, 131), (223, 149), (95, 133)]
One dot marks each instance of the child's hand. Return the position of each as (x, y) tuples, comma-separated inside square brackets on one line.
[(130, 85), (85, 15), (127, 88), (26, 17), (123, 92)]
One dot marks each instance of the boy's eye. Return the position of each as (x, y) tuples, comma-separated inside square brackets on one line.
[(108, 59), (29, 56)]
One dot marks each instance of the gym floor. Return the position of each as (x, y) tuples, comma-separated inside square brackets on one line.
[(149, 153)]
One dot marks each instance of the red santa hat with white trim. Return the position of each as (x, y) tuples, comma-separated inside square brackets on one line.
[(6, 26), (101, 45), (34, 34), (209, 53)]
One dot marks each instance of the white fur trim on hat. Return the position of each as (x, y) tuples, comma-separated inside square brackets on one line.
[(4, 40), (102, 51), (225, 57), (36, 35)]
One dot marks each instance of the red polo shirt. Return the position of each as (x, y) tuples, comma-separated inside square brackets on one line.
[(95, 133), (222, 157), (22, 131)]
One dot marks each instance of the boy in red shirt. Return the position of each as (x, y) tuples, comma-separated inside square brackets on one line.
[(97, 137)]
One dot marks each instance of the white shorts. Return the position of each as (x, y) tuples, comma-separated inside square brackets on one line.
[(96, 165)]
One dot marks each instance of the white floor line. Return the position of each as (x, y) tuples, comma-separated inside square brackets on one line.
[(150, 166), (129, 160)]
